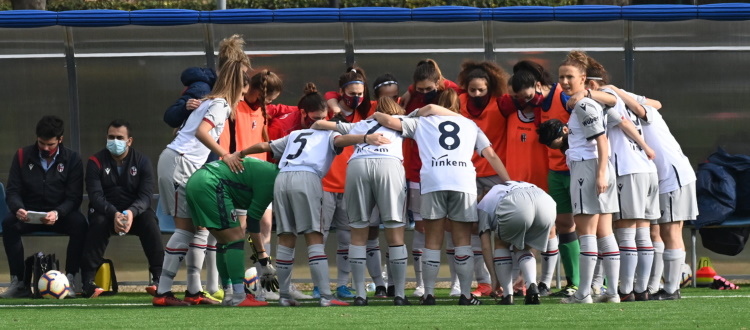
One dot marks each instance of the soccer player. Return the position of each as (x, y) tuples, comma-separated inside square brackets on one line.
[(448, 188), (213, 194), (521, 215), (182, 157), (592, 187), (677, 199), (375, 178)]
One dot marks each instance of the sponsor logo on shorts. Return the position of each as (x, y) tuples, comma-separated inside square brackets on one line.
[(619, 187), (443, 161)]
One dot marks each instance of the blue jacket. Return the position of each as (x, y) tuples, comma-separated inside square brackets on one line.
[(198, 83)]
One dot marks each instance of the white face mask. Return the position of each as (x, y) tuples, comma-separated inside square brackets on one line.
[(117, 147)]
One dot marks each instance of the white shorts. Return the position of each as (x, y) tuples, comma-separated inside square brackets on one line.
[(374, 182), (638, 196), (583, 194), (299, 203), (174, 170), (678, 205), (525, 217), (454, 205), (484, 184), (334, 212), (415, 197)]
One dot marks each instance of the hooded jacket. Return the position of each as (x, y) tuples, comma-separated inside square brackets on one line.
[(198, 83)]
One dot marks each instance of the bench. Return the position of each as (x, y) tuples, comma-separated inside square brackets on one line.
[(730, 222)]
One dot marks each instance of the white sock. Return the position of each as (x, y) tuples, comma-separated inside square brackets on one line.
[(673, 259), (464, 268), (417, 246), (430, 269), (628, 258), (503, 266), (450, 252), (527, 264), (516, 270), (598, 280), (397, 262), (342, 257), (212, 273), (587, 262), (318, 261), (658, 267), (388, 270), (174, 253), (284, 264), (194, 260), (645, 258), (549, 261), (357, 260), (610, 261), (481, 273), (374, 259)]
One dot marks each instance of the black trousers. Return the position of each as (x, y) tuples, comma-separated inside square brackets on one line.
[(145, 226), (74, 225)]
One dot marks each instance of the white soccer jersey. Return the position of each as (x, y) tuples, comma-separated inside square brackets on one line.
[(446, 145), (486, 207), (214, 112), (672, 166), (307, 150), (587, 121), (364, 150), (626, 155)]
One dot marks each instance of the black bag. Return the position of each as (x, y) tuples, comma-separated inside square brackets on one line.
[(738, 166), (717, 194), (36, 266), (728, 241)]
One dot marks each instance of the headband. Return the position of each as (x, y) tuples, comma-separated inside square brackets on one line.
[(386, 83), (353, 82), (594, 78)]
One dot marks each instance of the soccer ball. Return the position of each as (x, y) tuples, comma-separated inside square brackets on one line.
[(252, 282), (687, 276), (53, 285)]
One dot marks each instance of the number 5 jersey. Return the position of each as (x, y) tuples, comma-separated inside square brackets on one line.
[(306, 150)]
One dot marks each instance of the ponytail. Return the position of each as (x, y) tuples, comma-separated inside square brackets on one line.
[(428, 69), (312, 100), (356, 75), (526, 73)]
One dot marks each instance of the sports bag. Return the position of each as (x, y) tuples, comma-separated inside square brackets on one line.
[(106, 278), (36, 266)]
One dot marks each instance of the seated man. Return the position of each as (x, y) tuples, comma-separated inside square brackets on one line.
[(120, 183), (44, 177)]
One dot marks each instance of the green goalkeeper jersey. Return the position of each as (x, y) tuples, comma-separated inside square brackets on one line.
[(252, 189)]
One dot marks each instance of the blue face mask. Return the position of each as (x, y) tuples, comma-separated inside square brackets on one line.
[(117, 147)]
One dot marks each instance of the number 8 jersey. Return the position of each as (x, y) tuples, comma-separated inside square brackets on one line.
[(446, 145), (307, 150)]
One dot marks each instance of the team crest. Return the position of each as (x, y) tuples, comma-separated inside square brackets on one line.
[(133, 171), (60, 168), (31, 166), (91, 210), (106, 170), (523, 137)]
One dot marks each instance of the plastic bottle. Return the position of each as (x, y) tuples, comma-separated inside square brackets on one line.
[(124, 221)]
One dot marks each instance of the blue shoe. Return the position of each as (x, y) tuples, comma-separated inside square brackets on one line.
[(343, 292), (316, 293)]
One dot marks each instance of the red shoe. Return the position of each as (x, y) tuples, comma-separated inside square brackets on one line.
[(332, 302), (483, 290), (199, 299), (251, 302), (168, 299), (151, 289)]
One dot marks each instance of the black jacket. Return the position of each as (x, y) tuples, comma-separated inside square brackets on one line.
[(110, 192), (33, 189)]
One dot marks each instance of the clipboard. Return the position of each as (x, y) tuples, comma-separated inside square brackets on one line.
[(35, 218)]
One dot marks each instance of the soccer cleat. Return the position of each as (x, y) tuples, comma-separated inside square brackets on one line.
[(212, 297), (543, 289), (288, 302), (455, 289), (270, 295), (359, 301), (401, 301), (573, 299), (664, 295), (17, 289), (218, 295), (151, 289), (391, 291), (463, 301), (567, 291), (596, 292), (167, 299), (506, 300), (721, 283), (532, 295), (381, 292), (316, 293), (76, 286), (199, 298), (626, 297), (249, 301), (343, 292), (418, 291), (297, 294), (642, 296), (611, 298), (332, 302), (483, 290), (427, 300), (91, 291)]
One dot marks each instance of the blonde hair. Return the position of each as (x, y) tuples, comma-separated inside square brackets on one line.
[(388, 106), (449, 99), (231, 50), (229, 84)]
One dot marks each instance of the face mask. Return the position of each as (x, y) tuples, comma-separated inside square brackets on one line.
[(352, 101), (117, 147), (429, 96), (477, 105), (48, 153), (309, 121), (536, 100)]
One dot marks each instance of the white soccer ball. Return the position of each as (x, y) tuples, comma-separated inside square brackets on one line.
[(687, 276), (252, 281), (53, 285)]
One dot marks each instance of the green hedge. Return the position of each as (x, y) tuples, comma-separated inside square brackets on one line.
[(61, 5)]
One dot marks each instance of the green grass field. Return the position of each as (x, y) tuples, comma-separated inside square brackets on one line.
[(699, 308)]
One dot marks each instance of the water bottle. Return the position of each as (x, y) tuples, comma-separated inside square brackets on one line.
[(123, 221)]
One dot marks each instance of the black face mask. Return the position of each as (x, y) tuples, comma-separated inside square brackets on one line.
[(430, 96), (47, 153)]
